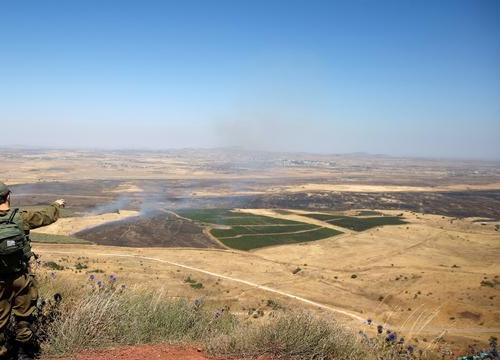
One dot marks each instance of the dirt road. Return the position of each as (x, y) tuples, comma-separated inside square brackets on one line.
[(221, 276)]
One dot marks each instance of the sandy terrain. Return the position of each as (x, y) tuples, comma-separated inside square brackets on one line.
[(424, 279), (287, 170), (71, 225), (127, 188)]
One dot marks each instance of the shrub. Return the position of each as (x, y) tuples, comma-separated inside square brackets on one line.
[(80, 266), (53, 265), (289, 336), (487, 283)]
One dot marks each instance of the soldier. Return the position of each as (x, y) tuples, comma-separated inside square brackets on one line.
[(18, 287)]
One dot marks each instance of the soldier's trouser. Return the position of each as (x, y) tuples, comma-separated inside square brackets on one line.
[(18, 296)]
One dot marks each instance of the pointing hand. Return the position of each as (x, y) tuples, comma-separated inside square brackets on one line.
[(60, 202)]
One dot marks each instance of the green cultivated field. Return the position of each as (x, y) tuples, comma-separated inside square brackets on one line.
[(322, 217), (249, 242), (248, 231), (358, 223)]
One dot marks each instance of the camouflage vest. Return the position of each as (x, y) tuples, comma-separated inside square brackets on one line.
[(15, 248)]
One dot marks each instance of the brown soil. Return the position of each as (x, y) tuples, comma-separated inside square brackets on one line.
[(160, 352)]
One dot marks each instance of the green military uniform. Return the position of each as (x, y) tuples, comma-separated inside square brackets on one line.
[(18, 287)]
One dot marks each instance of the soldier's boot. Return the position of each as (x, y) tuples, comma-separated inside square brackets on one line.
[(28, 347), (6, 352), (28, 351)]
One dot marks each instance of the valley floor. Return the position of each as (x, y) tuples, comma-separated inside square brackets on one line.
[(432, 279)]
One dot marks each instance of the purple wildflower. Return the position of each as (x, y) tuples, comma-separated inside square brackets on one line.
[(112, 278), (392, 337), (99, 283), (218, 313), (92, 277)]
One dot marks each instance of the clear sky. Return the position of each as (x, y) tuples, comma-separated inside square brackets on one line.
[(396, 77)]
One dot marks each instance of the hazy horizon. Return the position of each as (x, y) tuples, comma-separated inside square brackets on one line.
[(239, 148), (411, 79)]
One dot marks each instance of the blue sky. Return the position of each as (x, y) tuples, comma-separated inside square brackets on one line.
[(419, 78)]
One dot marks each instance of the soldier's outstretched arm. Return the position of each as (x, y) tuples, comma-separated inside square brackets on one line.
[(38, 218)]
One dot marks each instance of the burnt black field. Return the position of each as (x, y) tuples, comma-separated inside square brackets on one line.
[(83, 196), (158, 229)]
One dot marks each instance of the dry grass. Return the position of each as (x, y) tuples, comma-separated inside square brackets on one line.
[(72, 225), (100, 315)]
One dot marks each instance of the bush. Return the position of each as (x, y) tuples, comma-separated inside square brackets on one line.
[(289, 336), (53, 265), (80, 266)]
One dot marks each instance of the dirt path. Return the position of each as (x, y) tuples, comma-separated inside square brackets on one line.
[(266, 234), (230, 278), (354, 316), (141, 352)]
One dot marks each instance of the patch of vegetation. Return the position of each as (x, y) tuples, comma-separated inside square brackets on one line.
[(272, 229), (80, 266), (52, 265), (96, 271), (250, 242), (193, 283), (357, 223), (361, 224), (368, 213), (322, 217), (227, 217), (283, 212), (273, 304), (488, 283), (56, 239)]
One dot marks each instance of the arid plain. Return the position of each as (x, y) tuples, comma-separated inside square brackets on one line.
[(434, 277)]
